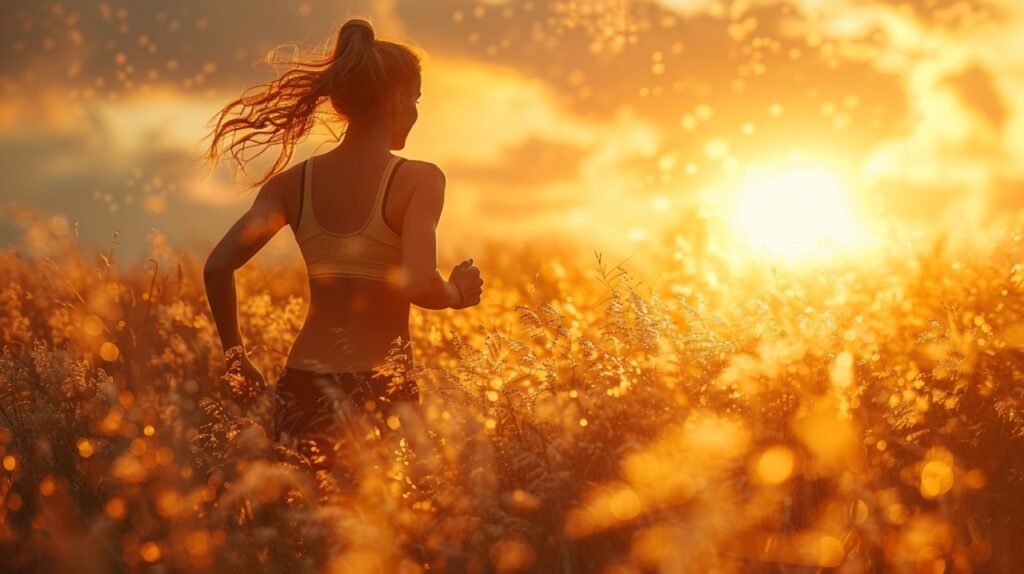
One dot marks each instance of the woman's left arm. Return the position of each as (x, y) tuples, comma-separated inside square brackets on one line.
[(245, 238)]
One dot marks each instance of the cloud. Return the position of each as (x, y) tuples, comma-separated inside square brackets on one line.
[(515, 156), (111, 167), (531, 162), (974, 86), (521, 161), (543, 118), (954, 158)]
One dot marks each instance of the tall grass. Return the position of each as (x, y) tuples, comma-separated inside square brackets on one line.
[(682, 416)]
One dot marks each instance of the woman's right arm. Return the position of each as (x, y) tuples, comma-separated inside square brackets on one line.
[(421, 279), (245, 238)]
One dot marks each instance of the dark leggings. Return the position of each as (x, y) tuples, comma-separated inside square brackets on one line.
[(311, 408)]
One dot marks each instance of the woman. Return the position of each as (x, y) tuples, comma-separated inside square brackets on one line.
[(365, 222)]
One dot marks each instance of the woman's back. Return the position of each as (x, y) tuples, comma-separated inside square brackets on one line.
[(347, 214)]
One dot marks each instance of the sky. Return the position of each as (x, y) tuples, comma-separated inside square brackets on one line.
[(607, 121)]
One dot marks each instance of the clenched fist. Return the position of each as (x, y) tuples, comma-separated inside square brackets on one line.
[(466, 277)]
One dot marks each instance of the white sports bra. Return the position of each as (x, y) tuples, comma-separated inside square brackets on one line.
[(374, 251)]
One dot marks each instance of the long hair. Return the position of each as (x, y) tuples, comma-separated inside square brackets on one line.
[(356, 78)]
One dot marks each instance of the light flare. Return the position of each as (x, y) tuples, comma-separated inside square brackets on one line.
[(796, 213)]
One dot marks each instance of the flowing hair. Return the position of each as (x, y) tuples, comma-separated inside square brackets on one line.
[(356, 77)]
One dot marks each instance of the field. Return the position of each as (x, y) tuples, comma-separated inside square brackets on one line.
[(671, 413)]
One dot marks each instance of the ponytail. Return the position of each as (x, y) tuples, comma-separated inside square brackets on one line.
[(356, 77)]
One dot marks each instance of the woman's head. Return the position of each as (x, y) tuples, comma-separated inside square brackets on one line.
[(369, 82), (371, 78)]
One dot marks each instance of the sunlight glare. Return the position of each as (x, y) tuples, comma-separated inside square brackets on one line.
[(796, 213)]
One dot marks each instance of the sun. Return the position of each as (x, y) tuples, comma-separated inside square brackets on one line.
[(795, 213)]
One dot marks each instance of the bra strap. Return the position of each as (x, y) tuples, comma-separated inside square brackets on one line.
[(385, 179), (307, 184), (302, 195), (387, 188)]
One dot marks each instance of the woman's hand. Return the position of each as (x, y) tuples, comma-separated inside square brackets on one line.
[(466, 277), (252, 373), (243, 377)]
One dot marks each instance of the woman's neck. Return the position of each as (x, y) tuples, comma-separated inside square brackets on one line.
[(366, 140)]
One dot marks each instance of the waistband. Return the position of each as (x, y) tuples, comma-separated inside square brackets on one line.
[(336, 374), (360, 383)]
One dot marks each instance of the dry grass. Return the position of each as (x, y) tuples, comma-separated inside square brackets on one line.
[(584, 418)]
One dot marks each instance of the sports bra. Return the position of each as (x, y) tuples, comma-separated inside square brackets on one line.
[(374, 251)]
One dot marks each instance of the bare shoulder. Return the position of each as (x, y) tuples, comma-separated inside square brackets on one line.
[(280, 196), (285, 184), (425, 186), (424, 173)]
